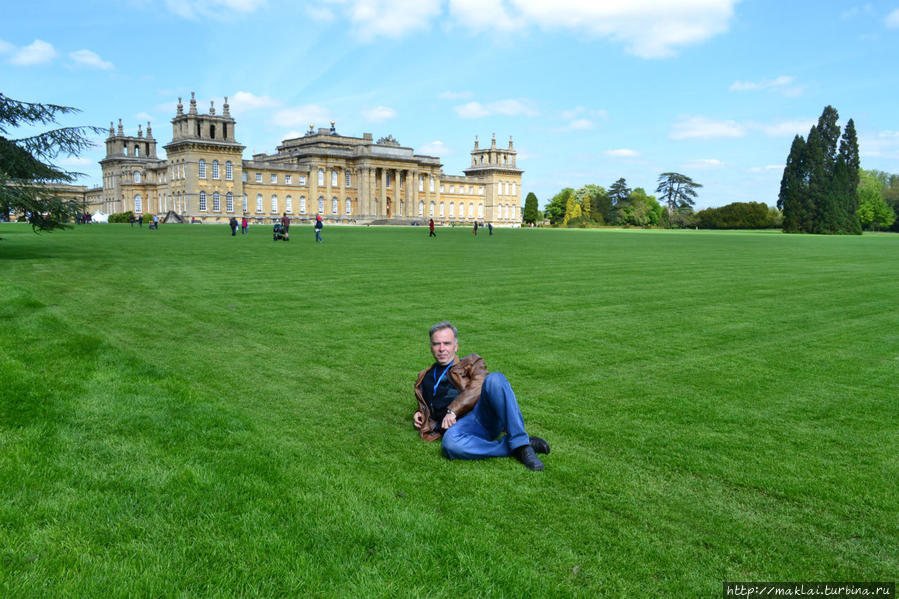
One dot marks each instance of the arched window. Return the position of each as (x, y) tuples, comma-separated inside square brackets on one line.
[(137, 176), (349, 206), (480, 210), (302, 204), (514, 189), (229, 202), (431, 210), (258, 202), (470, 210), (482, 159), (203, 201), (321, 205), (137, 150), (432, 184), (229, 171), (334, 205), (125, 151), (421, 183), (274, 203), (215, 169), (333, 178), (246, 203), (288, 204), (201, 167), (441, 210), (388, 180), (216, 202), (452, 212), (138, 203), (421, 208)]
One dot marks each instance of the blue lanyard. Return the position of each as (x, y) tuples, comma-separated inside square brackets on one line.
[(437, 383)]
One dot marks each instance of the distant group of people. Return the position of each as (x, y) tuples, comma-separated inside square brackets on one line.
[(474, 229), (281, 228)]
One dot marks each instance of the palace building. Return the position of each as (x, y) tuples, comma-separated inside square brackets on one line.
[(344, 179)]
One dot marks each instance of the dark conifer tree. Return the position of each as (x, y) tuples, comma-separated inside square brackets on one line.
[(793, 186), (849, 156)]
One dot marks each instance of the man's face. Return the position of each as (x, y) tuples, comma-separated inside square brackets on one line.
[(444, 346)]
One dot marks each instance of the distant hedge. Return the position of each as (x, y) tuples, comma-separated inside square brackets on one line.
[(740, 215)]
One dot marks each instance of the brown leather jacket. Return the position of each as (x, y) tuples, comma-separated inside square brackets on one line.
[(467, 375)]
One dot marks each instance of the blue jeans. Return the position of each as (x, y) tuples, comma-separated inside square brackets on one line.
[(318, 236), (474, 436)]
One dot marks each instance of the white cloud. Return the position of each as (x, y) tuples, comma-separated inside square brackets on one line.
[(704, 163), (246, 101), (484, 14), (786, 128), (449, 95), (885, 144), (195, 9), (580, 125), (784, 84), (379, 114), (475, 110), (390, 18), (90, 59), (892, 20), (648, 28), (622, 153), (6, 47), (310, 114), (699, 127), (37, 52), (434, 148)]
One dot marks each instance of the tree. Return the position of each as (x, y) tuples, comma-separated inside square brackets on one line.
[(677, 191), (572, 209), (26, 168), (599, 201), (531, 211), (556, 208), (619, 192), (873, 211), (794, 187)]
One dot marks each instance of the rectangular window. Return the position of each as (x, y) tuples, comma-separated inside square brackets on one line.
[(201, 169), (441, 188), (243, 176), (258, 177), (432, 184), (302, 179), (348, 179), (229, 171), (274, 178), (452, 189), (421, 183), (215, 169), (246, 206), (287, 179), (334, 180)]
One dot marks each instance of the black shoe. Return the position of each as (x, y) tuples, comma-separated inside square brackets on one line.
[(525, 454), (539, 445)]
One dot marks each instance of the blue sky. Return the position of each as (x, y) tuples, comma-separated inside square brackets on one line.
[(590, 91)]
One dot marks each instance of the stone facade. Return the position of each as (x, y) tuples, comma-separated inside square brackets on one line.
[(344, 179)]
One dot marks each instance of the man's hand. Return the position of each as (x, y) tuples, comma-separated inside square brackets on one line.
[(448, 421), (418, 419)]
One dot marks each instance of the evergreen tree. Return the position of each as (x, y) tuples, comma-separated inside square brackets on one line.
[(572, 209), (677, 191), (586, 206), (26, 167), (793, 186), (531, 211), (619, 192), (849, 156)]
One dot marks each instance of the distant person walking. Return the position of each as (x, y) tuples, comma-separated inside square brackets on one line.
[(285, 225), (431, 232), (233, 224), (132, 219), (243, 226), (490, 228), (475, 229), (318, 229)]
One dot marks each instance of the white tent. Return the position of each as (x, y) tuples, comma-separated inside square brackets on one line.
[(99, 217)]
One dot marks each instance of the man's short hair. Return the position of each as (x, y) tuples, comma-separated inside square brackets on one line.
[(443, 325)]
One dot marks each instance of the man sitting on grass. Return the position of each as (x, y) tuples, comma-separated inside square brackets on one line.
[(469, 408)]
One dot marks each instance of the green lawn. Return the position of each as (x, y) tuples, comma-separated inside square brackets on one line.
[(188, 414)]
